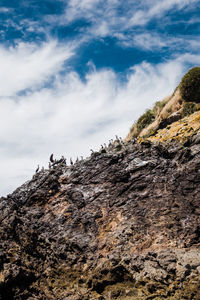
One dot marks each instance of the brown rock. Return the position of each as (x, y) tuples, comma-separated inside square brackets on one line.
[(122, 224)]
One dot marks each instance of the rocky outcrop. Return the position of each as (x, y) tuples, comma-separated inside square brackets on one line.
[(122, 224), (164, 113), (183, 131)]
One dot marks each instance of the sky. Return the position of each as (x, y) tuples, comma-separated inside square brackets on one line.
[(75, 73)]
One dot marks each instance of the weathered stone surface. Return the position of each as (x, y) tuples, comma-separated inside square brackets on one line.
[(122, 224), (176, 116)]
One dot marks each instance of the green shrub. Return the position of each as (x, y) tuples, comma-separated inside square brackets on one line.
[(189, 108), (147, 118), (158, 106), (190, 85)]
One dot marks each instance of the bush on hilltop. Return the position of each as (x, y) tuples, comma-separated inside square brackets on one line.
[(190, 85)]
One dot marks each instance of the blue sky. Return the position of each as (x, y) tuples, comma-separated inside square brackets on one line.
[(75, 73)]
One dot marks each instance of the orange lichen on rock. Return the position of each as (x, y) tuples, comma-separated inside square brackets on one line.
[(180, 130)]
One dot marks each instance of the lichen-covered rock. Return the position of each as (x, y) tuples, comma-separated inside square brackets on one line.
[(182, 131), (122, 224)]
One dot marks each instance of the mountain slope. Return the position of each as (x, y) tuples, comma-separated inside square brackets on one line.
[(122, 224)]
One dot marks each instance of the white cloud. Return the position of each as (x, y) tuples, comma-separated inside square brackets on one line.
[(5, 9), (70, 116), (106, 20), (160, 7), (29, 65), (153, 41), (127, 22), (78, 9), (156, 9), (147, 41)]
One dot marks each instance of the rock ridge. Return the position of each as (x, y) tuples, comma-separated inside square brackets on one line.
[(121, 224)]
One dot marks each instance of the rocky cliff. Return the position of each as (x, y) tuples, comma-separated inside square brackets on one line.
[(122, 224)]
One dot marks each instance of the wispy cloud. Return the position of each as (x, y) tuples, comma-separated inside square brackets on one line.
[(152, 41), (29, 65), (5, 9), (145, 41), (106, 17), (110, 18), (156, 9)]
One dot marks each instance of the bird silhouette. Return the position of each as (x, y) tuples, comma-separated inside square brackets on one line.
[(51, 158)]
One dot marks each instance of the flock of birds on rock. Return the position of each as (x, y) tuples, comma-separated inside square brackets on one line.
[(113, 145), (53, 162)]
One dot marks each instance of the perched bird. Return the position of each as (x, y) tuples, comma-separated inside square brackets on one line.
[(63, 159), (51, 158), (117, 139), (56, 162), (38, 167), (71, 161)]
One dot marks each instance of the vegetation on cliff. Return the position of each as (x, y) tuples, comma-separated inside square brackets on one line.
[(190, 85), (183, 102), (147, 118)]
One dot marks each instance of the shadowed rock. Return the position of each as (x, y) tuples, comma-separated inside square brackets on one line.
[(119, 225)]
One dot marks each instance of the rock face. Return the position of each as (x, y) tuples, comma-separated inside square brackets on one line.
[(122, 224)]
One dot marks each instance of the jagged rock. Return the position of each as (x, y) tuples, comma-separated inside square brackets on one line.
[(122, 224), (175, 116)]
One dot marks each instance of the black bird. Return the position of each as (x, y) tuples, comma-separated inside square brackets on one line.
[(51, 158), (71, 161), (38, 167), (63, 159)]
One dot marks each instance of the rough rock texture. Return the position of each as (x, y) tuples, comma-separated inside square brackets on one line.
[(181, 131), (122, 224)]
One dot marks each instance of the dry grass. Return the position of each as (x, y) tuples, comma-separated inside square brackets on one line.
[(161, 110)]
